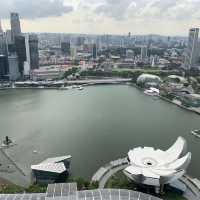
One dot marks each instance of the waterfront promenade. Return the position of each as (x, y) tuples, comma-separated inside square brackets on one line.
[(105, 172), (191, 185)]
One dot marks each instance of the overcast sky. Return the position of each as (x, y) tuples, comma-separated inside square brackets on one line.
[(166, 17)]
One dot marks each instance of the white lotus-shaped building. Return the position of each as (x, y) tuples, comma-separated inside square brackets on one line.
[(157, 167)]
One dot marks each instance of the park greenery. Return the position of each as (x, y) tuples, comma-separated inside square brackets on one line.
[(82, 184), (120, 181), (13, 189), (117, 181)]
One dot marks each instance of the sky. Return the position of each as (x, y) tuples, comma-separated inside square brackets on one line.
[(164, 17)]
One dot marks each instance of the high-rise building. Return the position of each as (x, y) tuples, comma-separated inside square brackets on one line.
[(65, 48), (15, 25), (21, 52), (9, 36), (94, 51), (143, 53), (13, 67), (3, 44), (34, 52), (192, 51), (4, 70), (27, 64), (1, 30)]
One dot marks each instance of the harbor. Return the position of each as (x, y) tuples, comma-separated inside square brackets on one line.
[(66, 111)]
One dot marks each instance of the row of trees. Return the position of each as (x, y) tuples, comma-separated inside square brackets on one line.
[(82, 184)]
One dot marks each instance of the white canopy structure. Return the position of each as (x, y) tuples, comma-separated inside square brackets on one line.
[(157, 167)]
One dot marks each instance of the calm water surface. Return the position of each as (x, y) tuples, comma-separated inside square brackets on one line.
[(95, 126)]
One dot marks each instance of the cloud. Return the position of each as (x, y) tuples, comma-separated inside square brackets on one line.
[(114, 8), (32, 9), (148, 9)]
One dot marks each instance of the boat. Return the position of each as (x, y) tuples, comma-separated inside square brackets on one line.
[(35, 151), (196, 133), (80, 88), (152, 91)]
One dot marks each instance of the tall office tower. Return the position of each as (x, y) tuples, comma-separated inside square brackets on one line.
[(1, 30), (192, 51), (4, 70), (34, 52), (9, 36), (21, 52), (143, 53), (94, 51), (13, 67), (15, 25), (3, 44), (65, 48)]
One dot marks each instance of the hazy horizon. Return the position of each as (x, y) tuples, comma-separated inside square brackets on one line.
[(118, 17)]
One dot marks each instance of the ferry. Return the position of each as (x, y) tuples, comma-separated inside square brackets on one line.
[(152, 91), (196, 133)]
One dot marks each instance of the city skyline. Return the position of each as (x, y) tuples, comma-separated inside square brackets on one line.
[(143, 17)]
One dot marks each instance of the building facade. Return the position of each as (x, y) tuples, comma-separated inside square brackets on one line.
[(65, 48), (4, 70), (144, 52), (15, 25), (21, 51), (13, 68), (192, 51), (34, 52)]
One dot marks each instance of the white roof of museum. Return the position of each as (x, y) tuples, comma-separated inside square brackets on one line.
[(154, 166), (52, 165)]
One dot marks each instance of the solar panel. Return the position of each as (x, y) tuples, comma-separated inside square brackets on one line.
[(57, 190), (50, 190), (68, 191), (10, 197)]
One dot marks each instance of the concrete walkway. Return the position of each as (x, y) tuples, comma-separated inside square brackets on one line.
[(105, 172), (192, 185)]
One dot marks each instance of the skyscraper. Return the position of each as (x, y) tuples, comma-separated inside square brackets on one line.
[(143, 53), (21, 52), (13, 67), (3, 45), (4, 69), (65, 48), (1, 30), (34, 52), (192, 51), (15, 25), (94, 51)]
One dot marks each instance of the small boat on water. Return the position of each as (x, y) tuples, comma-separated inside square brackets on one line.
[(196, 133), (80, 88), (35, 151), (152, 91)]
